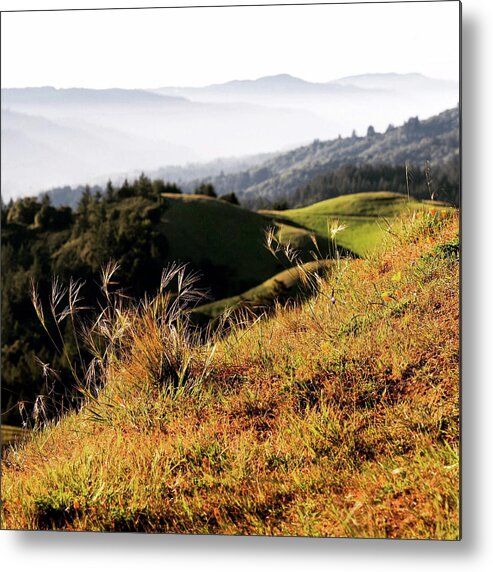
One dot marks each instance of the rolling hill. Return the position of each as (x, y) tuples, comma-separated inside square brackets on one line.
[(290, 284), (364, 217), (225, 241)]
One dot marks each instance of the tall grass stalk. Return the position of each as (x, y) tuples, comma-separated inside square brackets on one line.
[(150, 343)]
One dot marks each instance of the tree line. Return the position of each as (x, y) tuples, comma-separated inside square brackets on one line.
[(422, 182)]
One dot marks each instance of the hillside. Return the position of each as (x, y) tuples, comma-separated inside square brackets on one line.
[(364, 216), (435, 139), (225, 242), (326, 169), (360, 223), (142, 228), (181, 175), (290, 285), (335, 418)]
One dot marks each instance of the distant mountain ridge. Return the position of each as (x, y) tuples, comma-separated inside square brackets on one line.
[(148, 130), (346, 103), (435, 139), (38, 152), (348, 84), (52, 96), (267, 84), (120, 131), (392, 81)]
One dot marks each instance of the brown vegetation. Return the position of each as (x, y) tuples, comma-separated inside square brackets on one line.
[(337, 417)]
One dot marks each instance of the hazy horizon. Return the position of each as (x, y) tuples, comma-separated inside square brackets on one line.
[(70, 138), (235, 79)]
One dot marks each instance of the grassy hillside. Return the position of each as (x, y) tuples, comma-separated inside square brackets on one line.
[(364, 215), (335, 418), (143, 229), (289, 284), (225, 240)]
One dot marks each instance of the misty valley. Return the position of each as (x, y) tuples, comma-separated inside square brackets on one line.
[(53, 137)]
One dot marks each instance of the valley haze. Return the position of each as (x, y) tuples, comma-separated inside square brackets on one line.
[(53, 137)]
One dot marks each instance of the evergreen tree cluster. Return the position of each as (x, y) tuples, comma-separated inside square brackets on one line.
[(40, 241), (423, 182)]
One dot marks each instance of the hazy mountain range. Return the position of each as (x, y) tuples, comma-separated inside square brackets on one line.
[(299, 175), (347, 103), (279, 177), (53, 137)]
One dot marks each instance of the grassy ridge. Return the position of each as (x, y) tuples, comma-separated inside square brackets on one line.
[(288, 284), (365, 217), (363, 214), (227, 238), (225, 243), (335, 418)]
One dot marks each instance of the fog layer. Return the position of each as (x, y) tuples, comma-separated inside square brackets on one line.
[(53, 137)]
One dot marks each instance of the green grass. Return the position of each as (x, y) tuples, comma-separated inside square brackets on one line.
[(226, 238), (288, 284), (223, 242), (363, 214)]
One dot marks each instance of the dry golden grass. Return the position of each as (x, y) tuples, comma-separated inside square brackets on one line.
[(339, 417)]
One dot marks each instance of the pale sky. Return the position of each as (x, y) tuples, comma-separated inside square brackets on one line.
[(172, 47)]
